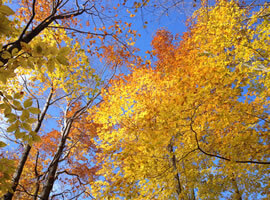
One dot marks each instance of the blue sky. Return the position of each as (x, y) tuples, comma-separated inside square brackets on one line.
[(174, 22)]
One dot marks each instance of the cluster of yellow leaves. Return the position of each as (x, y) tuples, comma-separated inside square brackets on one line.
[(52, 61), (5, 11), (164, 129)]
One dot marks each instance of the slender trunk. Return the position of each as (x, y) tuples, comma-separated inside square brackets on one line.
[(19, 170), (174, 163), (51, 175), (36, 190), (36, 31), (191, 195), (52, 169), (35, 196)]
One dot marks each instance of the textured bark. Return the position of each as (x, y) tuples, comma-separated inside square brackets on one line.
[(52, 169)]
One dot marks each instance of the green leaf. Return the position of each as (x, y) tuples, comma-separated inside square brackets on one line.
[(3, 106), (6, 55), (30, 64), (34, 110), (8, 97), (14, 52), (27, 103), (3, 77), (17, 104), (38, 49), (19, 134), (7, 110), (51, 65), (6, 10), (18, 95), (64, 51), (11, 117), (35, 136)]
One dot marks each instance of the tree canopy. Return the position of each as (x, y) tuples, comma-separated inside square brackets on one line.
[(85, 115)]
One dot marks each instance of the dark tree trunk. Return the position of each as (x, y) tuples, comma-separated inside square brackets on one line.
[(19, 170)]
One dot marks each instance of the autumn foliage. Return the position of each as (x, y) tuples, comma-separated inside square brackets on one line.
[(195, 124), (190, 122)]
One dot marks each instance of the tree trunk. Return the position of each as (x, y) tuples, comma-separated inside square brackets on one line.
[(174, 163), (19, 170), (50, 178)]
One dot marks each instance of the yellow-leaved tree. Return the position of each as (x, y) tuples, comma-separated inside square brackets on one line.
[(195, 124), (46, 84)]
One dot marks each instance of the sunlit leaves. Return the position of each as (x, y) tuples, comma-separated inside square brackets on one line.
[(27, 103), (6, 169), (34, 110), (4, 22), (186, 124)]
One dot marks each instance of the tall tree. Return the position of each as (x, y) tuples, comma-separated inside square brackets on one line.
[(194, 125), (44, 47)]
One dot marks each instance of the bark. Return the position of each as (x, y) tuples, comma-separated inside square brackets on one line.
[(52, 169), (18, 172), (174, 164), (51, 176), (35, 196)]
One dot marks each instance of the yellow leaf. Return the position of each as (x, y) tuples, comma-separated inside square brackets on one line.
[(34, 110), (27, 103), (2, 144), (6, 10)]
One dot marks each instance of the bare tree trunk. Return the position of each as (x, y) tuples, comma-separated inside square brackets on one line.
[(19, 170), (35, 196), (174, 163)]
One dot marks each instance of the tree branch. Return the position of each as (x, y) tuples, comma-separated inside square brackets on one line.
[(218, 156)]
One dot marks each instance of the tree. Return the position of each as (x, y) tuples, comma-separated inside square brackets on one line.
[(195, 124), (43, 63)]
